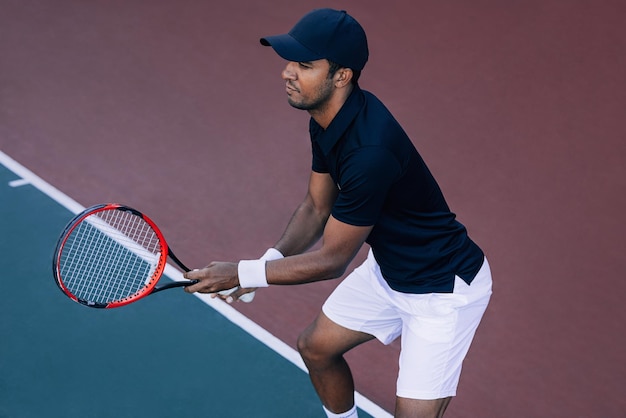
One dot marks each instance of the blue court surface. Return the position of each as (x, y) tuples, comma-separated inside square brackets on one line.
[(168, 355)]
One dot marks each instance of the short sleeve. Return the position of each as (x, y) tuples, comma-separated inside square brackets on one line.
[(318, 163), (366, 178)]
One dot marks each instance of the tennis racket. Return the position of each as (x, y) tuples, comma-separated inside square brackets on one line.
[(111, 255)]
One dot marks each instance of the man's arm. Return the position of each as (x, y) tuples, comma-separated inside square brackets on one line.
[(307, 223), (311, 220), (341, 242)]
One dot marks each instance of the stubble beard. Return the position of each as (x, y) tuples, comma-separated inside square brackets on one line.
[(318, 102)]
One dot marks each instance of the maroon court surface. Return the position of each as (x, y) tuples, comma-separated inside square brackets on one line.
[(518, 108)]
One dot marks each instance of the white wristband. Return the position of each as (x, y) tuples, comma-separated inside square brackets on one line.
[(272, 254), (252, 273)]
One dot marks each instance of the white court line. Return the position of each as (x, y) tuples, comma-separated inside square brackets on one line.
[(226, 310), (30, 177), (18, 183)]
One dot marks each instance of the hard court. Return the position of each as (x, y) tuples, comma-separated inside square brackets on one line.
[(176, 109)]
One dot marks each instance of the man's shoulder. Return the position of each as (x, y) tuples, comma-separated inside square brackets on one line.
[(376, 126)]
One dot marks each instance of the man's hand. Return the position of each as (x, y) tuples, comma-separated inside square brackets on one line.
[(217, 274), (214, 278)]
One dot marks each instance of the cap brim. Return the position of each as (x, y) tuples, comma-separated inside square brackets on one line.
[(289, 48)]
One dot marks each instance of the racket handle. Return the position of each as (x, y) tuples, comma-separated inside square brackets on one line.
[(184, 283)]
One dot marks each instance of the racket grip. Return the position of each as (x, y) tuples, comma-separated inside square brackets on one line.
[(171, 285)]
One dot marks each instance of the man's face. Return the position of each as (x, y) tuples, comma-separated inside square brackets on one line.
[(308, 85)]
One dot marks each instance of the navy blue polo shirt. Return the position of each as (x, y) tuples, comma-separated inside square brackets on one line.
[(384, 182)]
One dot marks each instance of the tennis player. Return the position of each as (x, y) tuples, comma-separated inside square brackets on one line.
[(424, 278)]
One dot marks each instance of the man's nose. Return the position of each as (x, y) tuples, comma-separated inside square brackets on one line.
[(289, 71)]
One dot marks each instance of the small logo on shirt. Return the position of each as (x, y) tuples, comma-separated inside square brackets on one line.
[(338, 186)]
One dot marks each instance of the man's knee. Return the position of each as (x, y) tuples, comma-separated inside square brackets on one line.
[(326, 341), (302, 343), (318, 343), (307, 345)]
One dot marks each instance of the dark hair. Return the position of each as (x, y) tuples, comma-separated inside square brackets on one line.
[(334, 67)]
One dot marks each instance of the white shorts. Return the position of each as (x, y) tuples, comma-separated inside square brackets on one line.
[(437, 328)]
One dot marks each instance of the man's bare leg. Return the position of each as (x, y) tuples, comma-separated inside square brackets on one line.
[(322, 345), (415, 408)]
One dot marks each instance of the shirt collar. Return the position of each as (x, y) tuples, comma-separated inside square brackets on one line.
[(338, 126)]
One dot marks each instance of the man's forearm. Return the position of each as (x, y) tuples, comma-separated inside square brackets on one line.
[(304, 229)]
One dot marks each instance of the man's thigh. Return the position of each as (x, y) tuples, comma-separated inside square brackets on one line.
[(326, 338), (438, 331), (361, 303)]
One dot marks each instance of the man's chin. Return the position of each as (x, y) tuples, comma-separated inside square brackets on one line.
[(296, 105)]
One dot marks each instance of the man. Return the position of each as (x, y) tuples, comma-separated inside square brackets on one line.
[(423, 279)]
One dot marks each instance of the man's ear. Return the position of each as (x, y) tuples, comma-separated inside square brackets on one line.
[(343, 77)]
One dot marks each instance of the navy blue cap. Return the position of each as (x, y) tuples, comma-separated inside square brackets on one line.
[(323, 34)]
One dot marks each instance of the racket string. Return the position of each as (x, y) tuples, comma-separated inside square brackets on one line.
[(110, 256), (119, 260), (83, 275)]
